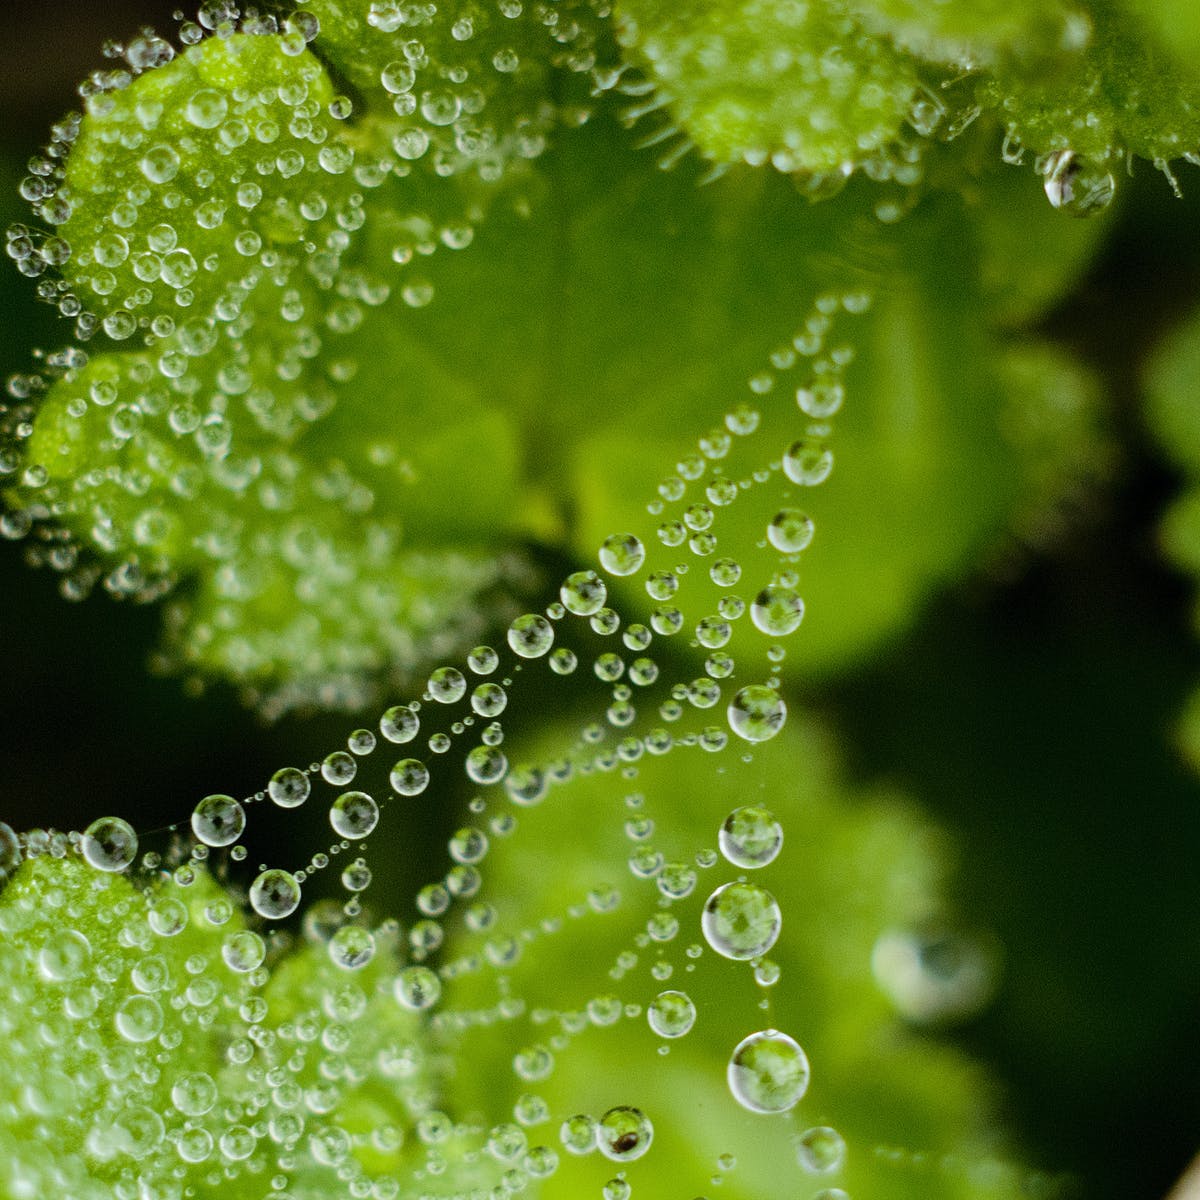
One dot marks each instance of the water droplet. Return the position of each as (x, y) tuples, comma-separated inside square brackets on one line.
[(531, 635), (10, 851), (218, 820), (351, 947), (483, 660), (289, 787), (489, 700), (139, 1018), (821, 1150), (160, 164), (741, 921), (768, 1072), (671, 1014), (243, 951), (808, 462), (622, 554), (65, 957), (397, 77), (206, 109), (447, 685), (750, 837), (933, 975), (583, 593), (486, 764), (790, 531), (821, 400), (756, 713), (354, 815), (275, 894), (578, 1134), (777, 610), (399, 724), (417, 988), (1076, 185), (109, 844), (194, 1094), (338, 768), (409, 777), (624, 1134)]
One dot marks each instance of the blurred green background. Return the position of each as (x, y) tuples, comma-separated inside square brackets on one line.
[(1033, 717)]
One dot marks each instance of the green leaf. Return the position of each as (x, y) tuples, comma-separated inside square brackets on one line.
[(958, 32), (1124, 93), (800, 85), (141, 1057), (295, 464)]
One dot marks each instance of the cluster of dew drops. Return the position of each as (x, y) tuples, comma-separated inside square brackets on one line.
[(767, 1071)]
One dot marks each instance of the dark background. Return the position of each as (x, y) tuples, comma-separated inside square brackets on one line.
[(1033, 718)]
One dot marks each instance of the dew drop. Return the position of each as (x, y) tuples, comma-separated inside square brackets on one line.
[(351, 947), (531, 635), (447, 685), (489, 700), (354, 815), (808, 462), (275, 894), (218, 820), (483, 660), (622, 554), (417, 988), (821, 1150), (583, 593), (206, 109), (1077, 186), (777, 610), (768, 1072), (194, 1094), (409, 777), (741, 921), (338, 768), (624, 1133), (486, 764), (790, 531), (139, 1018), (756, 713), (243, 951), (109, 844), (289, 787), (671, 1014), (750, 837), (578, 1134), (399, 724)]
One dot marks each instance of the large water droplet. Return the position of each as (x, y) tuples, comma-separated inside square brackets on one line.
[(777, 610), (531, 635), (275, 894), (741, 920), (671, 1014), (354, 815), (218, 820), (768, 1072), (109, 844), (750, 837), (1076, 185), (756, 713), (622, 554), (624, 1133)]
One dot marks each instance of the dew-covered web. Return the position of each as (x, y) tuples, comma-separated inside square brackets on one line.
[(696, 910)]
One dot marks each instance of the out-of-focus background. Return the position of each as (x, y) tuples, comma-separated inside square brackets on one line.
[(1033, 717)]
